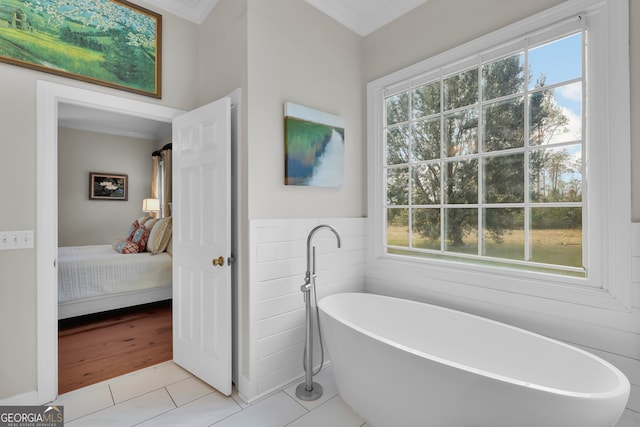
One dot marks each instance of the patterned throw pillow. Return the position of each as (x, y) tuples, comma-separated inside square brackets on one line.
[(140, 237), (132, 229), (125, 247)]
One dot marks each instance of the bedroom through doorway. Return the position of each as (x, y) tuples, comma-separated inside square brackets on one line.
[(224, 115), (105, 335)]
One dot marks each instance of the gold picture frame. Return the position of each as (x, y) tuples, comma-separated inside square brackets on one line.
[(108, 186)]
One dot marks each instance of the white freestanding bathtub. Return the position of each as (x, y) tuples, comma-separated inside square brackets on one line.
[(404, 363)]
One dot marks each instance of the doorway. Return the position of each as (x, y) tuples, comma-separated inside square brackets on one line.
[(91, 297), (50, 95)]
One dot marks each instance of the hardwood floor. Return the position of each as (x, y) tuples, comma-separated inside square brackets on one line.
[(98, 347)]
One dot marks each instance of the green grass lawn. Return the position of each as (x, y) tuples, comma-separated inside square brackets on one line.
[(49, 51), (556, 247)]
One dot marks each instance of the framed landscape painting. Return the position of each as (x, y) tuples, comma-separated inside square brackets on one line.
[(104, 186), (314, 147), (112, 43)]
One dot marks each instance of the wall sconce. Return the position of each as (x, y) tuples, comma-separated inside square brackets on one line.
[(151, 206)]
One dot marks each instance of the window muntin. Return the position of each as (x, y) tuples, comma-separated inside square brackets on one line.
[(485, 163)]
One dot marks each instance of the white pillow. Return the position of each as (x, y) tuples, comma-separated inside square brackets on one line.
[(159, 236)]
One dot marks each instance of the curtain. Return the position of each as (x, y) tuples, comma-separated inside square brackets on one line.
[(161, 179), (166, 181), (155, 174)]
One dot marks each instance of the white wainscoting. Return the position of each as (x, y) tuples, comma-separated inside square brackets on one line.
[(278, 264), (278, 250), (635, 264), (633, 365)]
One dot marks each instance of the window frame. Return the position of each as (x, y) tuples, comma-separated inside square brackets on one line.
[(606, 173), (481, 155)]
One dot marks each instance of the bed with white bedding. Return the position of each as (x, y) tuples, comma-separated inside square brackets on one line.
[(97, 278)]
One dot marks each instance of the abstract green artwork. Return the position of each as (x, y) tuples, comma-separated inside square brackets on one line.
[(314, 147)]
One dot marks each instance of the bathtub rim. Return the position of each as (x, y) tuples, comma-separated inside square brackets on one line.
[(623, 388)]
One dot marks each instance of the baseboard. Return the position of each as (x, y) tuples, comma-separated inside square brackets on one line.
[(282, 386), (29, 398)]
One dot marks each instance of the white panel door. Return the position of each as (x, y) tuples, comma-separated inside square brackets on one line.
[(202, 243)]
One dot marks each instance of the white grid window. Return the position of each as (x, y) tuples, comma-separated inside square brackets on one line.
[(485, 163), (585, 189)]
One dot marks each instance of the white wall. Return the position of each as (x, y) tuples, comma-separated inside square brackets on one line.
[(631, 365), (82, 221)]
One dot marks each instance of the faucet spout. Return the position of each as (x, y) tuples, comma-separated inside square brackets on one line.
[(310, 252)]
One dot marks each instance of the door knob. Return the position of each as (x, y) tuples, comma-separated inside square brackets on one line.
[(218, 261)]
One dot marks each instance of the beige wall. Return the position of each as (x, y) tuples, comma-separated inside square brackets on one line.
[(298, 54), (278, 51), (223, 68), (427, 31), (18, 101), (82, 221), (222, 52), (439, 25), (18, 212)]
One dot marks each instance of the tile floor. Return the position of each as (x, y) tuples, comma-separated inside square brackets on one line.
[(167, 395)]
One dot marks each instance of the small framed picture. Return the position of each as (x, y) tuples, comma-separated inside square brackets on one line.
[(108, 186)]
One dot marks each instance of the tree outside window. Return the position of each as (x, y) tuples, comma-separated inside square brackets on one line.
[(486, 163)]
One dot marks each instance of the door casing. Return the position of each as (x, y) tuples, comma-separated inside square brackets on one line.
[(49, 96)]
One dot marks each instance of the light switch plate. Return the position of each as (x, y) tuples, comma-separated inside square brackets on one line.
[(16, 239)]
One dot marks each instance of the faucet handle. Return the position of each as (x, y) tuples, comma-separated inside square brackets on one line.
[(305, 287)]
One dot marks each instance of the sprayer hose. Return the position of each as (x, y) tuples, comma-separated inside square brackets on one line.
[(304, 355)]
